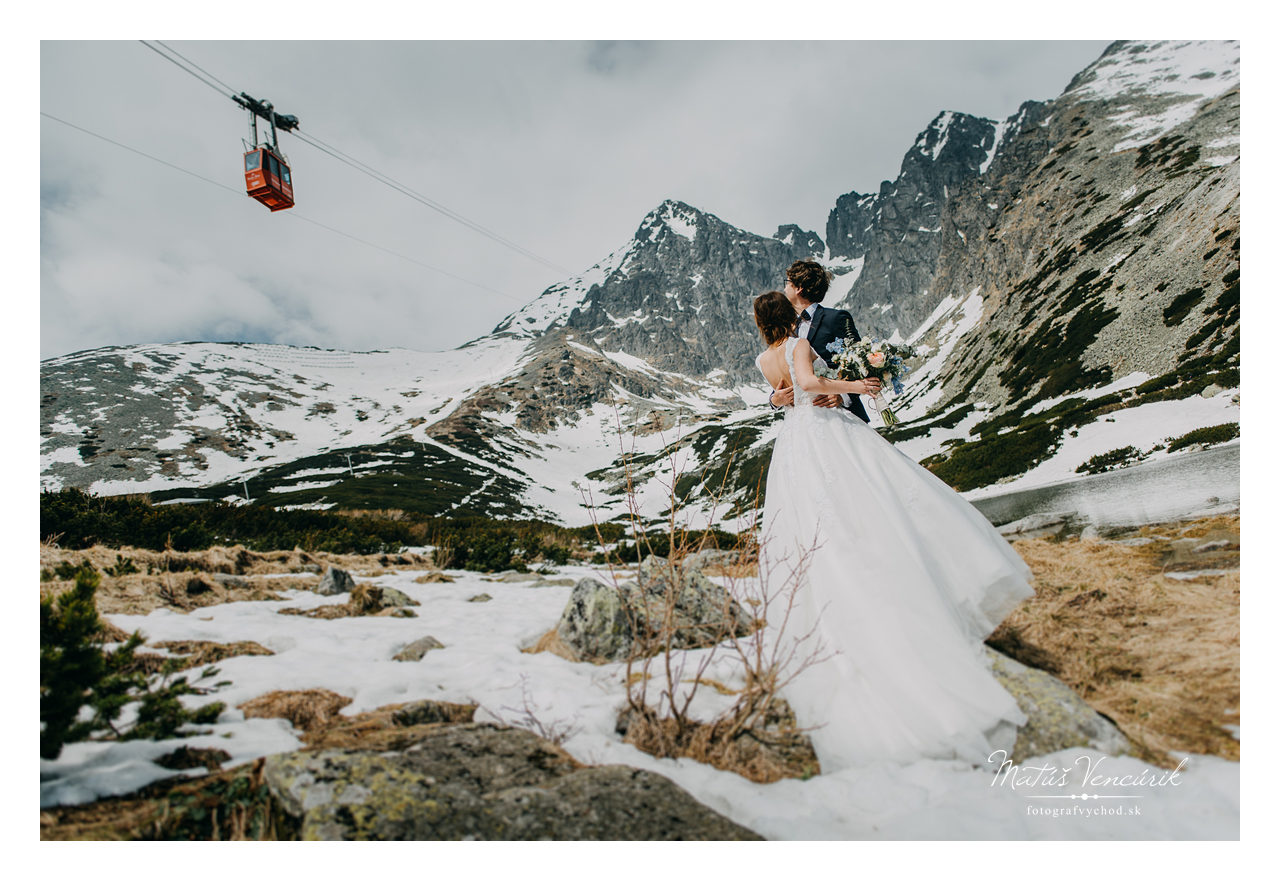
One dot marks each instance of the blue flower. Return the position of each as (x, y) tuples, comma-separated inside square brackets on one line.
[(836, 346), (897, 386)]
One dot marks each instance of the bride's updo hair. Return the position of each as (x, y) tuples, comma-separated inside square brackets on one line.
[(775, 316)]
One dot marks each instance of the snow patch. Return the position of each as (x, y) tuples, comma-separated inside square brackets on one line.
[(1125, 382)]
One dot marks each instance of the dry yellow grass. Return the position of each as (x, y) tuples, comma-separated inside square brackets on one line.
[(180, 591), (228, 805), (193, 653), (551, 642), (235, 560), (773, 751), (309, 710), (183, 581), (390, 727), (1160, 656), (715, 684)]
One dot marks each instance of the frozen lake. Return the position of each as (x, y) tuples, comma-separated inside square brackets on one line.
[(1180, 487)]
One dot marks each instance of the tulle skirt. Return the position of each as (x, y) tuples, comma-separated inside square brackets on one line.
[(897, 580)]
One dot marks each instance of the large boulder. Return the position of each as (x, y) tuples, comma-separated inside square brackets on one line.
[(483, 782), (604, 623), (704, 612), (596, 623), (1057, 717)]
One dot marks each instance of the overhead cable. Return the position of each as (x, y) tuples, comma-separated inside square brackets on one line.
[(294, 214)]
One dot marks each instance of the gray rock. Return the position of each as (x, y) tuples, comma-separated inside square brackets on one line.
[(237, 581), (415, 650), (1037, 524), (596, 623), (392, 598), (704, 611), (483, 782), (605, 623), (479, 598), (706, 558), (336, 581), (513, 577), (1057, 718), (1212, 389)]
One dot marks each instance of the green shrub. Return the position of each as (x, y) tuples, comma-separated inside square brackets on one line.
[(488, 553), (1182, 306), (76, 672), (972, 465), (1210, 434), (1109, 460), (82, 520), (123, 566)]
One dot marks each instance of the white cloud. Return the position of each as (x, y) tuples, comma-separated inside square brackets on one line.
[(561, 147)]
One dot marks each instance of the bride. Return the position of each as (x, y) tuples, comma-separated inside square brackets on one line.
[(898, 579)]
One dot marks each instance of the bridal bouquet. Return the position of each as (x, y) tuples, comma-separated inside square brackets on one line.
[(862, 359)]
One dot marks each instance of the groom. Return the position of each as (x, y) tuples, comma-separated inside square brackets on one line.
[(806, 287)]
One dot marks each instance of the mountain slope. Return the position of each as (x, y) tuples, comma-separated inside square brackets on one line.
[(1079, 257)]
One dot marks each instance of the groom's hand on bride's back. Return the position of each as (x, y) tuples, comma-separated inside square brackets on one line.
[(786, 397)]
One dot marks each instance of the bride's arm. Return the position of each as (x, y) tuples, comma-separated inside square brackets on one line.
[(820, 385)]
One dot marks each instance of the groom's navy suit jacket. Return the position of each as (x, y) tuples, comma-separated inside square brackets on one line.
[(827, 326)]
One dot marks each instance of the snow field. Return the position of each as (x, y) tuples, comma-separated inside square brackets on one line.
[(482, 663)]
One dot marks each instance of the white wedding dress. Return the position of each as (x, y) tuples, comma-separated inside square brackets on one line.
[(900, 580)]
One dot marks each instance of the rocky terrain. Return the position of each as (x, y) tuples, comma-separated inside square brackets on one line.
[(461, 721)]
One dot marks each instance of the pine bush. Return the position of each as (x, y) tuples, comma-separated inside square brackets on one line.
[(84, 688)]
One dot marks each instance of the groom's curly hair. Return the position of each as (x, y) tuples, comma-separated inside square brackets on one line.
[(810, 279), (775, 316)]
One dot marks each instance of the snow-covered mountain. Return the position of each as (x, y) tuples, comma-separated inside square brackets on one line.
[(1081, 255)]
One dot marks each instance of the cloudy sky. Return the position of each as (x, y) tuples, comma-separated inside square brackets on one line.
[(559, 147)]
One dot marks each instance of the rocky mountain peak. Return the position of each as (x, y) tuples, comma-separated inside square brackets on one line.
[(1129, 68), (953, 147), (790, 234), (677, 295), (673, 216)]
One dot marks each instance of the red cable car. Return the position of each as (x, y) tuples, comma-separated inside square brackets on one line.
[(267, 179), (266, 173)]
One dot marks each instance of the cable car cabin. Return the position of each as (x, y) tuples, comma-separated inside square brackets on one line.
[(266, 177)]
